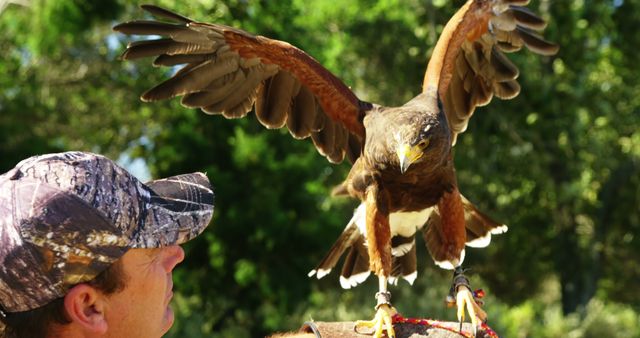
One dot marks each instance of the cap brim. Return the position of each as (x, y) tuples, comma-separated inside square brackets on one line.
[(179, 208)]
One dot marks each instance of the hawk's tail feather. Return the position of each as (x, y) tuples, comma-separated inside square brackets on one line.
[(404, 266), (401, 245), (479, 226), (355, 269), (346, 240)]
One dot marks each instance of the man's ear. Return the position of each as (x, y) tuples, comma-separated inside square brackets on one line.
[(85, 307)]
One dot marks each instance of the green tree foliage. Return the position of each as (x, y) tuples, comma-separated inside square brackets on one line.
[(560, 163)]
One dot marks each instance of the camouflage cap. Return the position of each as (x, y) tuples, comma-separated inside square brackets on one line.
[(64, 218)]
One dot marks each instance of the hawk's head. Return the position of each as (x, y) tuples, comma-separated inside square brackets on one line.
[(421, 138), (402, 137)]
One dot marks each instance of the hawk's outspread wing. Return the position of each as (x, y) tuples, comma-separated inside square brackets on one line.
[(468, 66), (227, 71)]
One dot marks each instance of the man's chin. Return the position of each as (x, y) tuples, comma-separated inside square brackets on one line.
[(168, 319)]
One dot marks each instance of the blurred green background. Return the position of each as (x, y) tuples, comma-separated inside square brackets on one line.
[(560, 164)]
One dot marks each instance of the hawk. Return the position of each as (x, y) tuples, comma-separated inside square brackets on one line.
[(402, 166)]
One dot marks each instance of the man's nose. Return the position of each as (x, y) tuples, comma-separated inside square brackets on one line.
[(174, 255)]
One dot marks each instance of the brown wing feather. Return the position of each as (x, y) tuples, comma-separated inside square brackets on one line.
[(468, 66), (227, 71)]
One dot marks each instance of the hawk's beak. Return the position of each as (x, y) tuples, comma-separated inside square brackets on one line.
[(407, 155)]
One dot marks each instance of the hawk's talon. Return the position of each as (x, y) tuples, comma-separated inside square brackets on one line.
[(461, 295), (465, 300), (383, 321)]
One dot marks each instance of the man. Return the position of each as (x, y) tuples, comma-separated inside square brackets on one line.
[(87, 250)]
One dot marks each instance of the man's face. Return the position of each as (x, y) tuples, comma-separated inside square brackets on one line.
[(142, 309)]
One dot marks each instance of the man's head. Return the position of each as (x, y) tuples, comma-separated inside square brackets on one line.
[(66, 218)]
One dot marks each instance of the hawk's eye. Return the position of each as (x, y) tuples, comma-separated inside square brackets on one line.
[(423, 144)]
